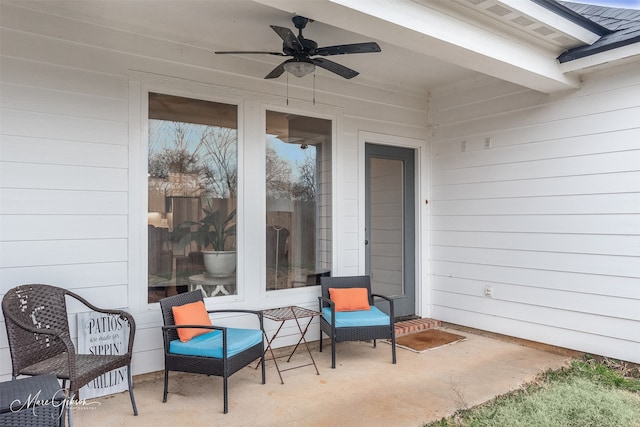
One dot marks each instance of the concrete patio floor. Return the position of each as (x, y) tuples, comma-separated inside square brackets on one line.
[(365, 389)]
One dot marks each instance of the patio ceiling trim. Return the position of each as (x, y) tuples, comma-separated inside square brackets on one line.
[(427, 31)]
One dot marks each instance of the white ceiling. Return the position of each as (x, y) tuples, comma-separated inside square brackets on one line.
[(244, 25)]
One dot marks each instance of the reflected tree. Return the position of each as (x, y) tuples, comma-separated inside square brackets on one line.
[(305, 188), (278, 176), (219, 149)]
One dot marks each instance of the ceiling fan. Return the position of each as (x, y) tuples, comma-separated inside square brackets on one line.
[(301, 50)]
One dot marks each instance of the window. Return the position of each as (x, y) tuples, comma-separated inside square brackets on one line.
[(298, 191), (192, 194)]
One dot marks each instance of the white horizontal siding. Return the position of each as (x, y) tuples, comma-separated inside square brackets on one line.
[(20, 201), (81, 86), (624, 245), (543, 314), (548, 260), (52, 126), (20, 149), (583, 204), (548, 216), (578, 282), (572, 301), (592, 164), (64, 160), (621, 182), (56, 101), (71, 276), (27, 253), (449, 156), (66, 227), (539, 223), (553, 335), (62, 177)]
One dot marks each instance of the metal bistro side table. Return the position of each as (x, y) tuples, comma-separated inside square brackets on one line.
[(282, 315)]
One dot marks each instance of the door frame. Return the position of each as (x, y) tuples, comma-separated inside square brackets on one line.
[(422, 218)]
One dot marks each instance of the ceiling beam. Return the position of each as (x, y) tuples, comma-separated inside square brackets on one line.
[(428, 31)]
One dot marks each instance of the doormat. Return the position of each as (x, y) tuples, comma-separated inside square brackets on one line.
[(427, 340)]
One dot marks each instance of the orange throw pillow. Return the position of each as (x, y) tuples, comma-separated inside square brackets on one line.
[(350, 299), (194, 313)]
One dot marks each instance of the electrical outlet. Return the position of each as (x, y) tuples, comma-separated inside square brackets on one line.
[(463, 146), (487, 143), (488, 291)]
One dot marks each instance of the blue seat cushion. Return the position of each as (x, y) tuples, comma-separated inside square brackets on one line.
[(210, 344), (346, 319)]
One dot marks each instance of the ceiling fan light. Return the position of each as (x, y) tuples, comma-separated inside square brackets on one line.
[(299, 68)]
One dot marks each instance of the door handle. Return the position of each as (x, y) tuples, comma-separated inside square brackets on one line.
[(366, 242)]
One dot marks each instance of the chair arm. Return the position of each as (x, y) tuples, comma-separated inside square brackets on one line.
[(63, 336), (328, 302), (332, 306), (257, 313), (121, 313), (383, 297), (389, 300), (30, 328)]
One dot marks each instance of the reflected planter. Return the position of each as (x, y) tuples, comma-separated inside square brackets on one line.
[(219, 263)]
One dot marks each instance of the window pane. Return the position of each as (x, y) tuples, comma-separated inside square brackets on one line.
[(192, 196), (387, 226), (298, 181)]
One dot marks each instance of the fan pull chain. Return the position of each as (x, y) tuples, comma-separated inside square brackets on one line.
[(314, 88), (287, 88)]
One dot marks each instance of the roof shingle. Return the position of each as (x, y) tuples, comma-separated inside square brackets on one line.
[(623, 27)]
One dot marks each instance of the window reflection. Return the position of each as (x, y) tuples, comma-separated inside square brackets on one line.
[(298, 184), (192, 187)]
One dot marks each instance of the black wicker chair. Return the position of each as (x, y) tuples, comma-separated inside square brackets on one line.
[(222, 367), (352, 333), (39, 341)]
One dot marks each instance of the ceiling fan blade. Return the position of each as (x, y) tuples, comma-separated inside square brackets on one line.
[(276, 72), (290, 39), (334, 67), (369, 47), (248, 52)]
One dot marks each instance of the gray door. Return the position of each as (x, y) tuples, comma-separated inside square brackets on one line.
[(390, 224)]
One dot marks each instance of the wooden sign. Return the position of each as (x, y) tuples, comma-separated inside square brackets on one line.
[(103, 334)]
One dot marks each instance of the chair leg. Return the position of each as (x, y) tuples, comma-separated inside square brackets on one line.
[(133, 400), (393, 347), (69, 408), (224, 392), (263, 375), (374, 343), (333, 353), (166, 385)]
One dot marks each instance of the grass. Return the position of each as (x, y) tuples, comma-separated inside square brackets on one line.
[(589, 393)]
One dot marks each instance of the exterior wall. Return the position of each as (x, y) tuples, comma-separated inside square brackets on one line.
[(548, 217), (73, 172)]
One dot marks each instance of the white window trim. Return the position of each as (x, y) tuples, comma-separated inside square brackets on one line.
[(138, 181), (334, 114), (423, 224)]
